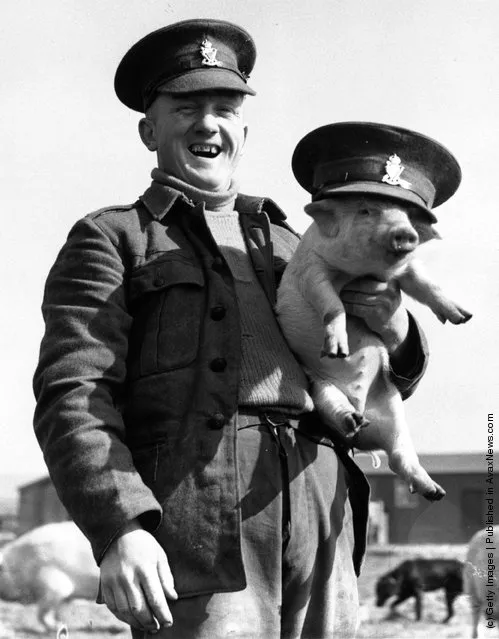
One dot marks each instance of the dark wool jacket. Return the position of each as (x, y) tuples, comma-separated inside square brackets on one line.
[(137, 381)]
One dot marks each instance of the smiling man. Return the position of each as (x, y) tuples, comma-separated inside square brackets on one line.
[(175, 422), (199, 137)]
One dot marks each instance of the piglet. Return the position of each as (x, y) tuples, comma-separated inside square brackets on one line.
[(352, 236), (47, 566)]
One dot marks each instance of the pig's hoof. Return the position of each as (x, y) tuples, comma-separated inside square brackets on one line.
[(416, 476), (353, 422), (436, 494), (334, 347), (336, 355), (465, 316), (455, 314)]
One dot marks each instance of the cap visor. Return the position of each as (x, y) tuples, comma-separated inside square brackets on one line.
[(208, 79), (395, 192)]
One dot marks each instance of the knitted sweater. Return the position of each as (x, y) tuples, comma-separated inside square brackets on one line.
[(270, 375)]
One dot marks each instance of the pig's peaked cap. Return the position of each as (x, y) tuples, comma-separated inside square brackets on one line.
[(186, 57), (365, 157)]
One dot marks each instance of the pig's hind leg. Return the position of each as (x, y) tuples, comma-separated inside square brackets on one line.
[(336, 409), (389, 431)]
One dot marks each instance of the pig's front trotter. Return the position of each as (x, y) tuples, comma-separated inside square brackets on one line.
[(335, 338), (416, 476), (448, 310)]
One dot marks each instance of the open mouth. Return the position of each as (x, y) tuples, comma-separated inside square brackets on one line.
[(205, 150)]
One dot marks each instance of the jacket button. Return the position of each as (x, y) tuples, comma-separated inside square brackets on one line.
[(218, 264), (218, 364), (217, 313), (217, 420)]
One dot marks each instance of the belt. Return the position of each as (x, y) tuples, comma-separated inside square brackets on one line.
[(252, 417), (358, 492)]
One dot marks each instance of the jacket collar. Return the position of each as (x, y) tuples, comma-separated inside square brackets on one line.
[(160, 199)]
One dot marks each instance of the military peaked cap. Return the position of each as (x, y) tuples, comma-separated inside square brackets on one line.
[(186, 57), (365, 157)]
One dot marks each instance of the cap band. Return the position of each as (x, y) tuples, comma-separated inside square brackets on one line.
[(181, 67), (372, 169)]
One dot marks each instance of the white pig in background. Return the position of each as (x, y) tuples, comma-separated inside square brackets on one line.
[(48, 566), (368, 221), (481, 579)]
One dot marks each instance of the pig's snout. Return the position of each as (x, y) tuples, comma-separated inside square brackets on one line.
[(403, 239)]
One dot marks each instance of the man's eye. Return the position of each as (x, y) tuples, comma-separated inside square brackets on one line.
[(227, 109), (186, 108), (364, 211)]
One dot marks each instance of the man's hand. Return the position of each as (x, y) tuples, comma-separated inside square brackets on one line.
[(379, 304), (136, 580)]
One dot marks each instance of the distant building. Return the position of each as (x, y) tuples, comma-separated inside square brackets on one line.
[(8, 516), (409, 518), (398, 517), (39, 504)]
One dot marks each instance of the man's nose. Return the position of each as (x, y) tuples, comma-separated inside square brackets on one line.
[(207, 122)]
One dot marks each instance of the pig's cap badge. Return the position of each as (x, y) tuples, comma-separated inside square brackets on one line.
[(365, 157), (186, 57), (394, 170)]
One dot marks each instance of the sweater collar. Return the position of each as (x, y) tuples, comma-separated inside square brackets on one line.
[(160, 198), (166, 190), (213, 200)]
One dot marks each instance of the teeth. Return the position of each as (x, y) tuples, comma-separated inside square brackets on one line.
[(205, 149)]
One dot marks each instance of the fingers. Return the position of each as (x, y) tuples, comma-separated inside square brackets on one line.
[(136, 581), (140, 605), (367, 291), (116, 600), (374, 302), (141, 602), (156, 600), (166, 578), (371, 298), (367, 286), (109, 600)]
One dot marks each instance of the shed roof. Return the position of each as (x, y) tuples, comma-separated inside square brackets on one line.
[(35, 482), (434, 463)]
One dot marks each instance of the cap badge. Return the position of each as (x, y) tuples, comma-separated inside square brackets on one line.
[(394, 170), (209, 54)]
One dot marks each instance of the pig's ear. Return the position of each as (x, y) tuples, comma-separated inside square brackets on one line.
[(426, 231), (325, 216)]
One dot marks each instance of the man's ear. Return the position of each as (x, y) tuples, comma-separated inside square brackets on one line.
[(147, 134), (325, 216)]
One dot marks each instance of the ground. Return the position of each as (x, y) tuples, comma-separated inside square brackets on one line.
[(86, 620), (377, 622)]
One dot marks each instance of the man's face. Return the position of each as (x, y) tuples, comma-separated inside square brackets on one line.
[(199, 137)]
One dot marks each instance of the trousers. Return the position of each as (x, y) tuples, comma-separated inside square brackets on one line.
[(297, 543)]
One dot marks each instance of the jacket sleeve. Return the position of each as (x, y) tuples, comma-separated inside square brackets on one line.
[(407, 371), (77, 384)]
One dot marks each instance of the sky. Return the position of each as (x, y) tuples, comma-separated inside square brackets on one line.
[(70, 147)]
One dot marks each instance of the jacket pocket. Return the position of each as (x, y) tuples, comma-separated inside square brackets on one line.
[(146, 462), (166, 302)]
